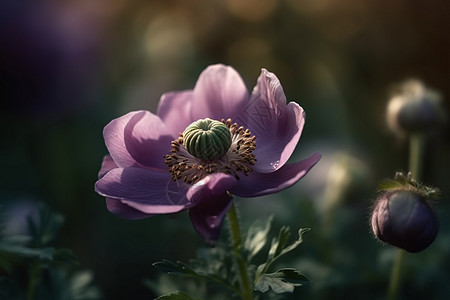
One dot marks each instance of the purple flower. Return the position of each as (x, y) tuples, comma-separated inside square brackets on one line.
[(203, 146)]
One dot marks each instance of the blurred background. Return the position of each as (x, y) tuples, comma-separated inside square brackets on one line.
[(69, 67)]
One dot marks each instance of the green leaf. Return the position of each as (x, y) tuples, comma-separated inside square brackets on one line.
[(45, 228), (278, 244), (389, 184), (40, 253), (282, 281), (256, 237), (16, 240), (279, 248), (65, 256), (175, 296), (174, 268), (402, 181), (301, 232), (180, 268)]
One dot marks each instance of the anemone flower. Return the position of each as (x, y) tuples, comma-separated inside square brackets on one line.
[(203, 146)]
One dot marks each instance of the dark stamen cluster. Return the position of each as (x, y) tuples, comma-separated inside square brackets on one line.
[(244, 144)]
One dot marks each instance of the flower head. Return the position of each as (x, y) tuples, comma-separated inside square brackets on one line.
[(403, 217), (415, 108), (202, 146)]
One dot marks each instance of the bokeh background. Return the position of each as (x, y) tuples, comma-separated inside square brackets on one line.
[(69, 67)]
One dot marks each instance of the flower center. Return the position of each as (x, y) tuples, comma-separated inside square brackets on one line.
[(208, 146), (207, 139)]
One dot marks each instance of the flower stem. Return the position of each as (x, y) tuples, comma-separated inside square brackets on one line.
[(33, 280), (396, 275), (416, 150), (246, 292)]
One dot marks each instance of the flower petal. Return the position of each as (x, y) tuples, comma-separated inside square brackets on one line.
[(219, 93), (107, 165), (122, 210), (211, 204), (138, 138), (148, 191), (258, 184), (174, 109), (277, 126)]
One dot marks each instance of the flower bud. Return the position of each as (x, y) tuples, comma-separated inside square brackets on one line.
[(403, 218), (415, 109)]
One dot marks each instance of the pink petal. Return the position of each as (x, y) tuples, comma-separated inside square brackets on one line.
[(258, 184), (175, 110), (138, 139), (277, 126), (122, 210), (144, 190), (219, 93), (107, 165), (211, 204)]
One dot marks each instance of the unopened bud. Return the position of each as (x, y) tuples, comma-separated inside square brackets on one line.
[(415, 109), (403, 218)]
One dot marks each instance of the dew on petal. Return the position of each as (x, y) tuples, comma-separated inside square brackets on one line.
[(275, 164)]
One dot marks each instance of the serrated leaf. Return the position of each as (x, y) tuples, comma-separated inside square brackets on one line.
[(180, 268), (301, 233), (278, 244), (256, 237), (279, 248), (282, 281), (175, 296)]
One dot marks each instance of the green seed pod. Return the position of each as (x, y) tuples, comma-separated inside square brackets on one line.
[(207, 139)]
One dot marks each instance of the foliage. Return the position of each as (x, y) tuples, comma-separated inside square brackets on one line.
[(31, 268), (217, 266)]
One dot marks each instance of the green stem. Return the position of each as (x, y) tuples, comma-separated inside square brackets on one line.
[(33, 279), (416, 150), (396, 275), (246, 291)]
